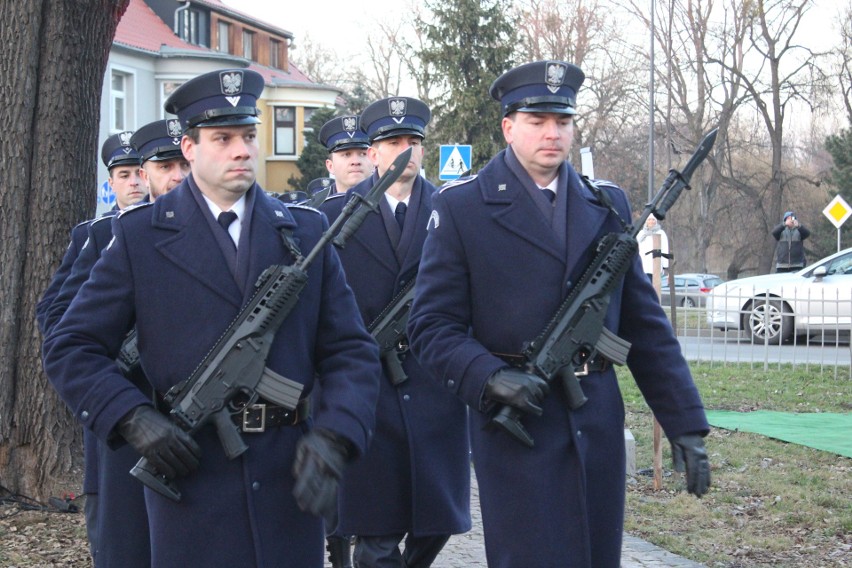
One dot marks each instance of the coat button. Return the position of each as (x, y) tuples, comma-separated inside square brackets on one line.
[(406, 397), (579, 434), (255, 486), (84, 414), (451, 383)]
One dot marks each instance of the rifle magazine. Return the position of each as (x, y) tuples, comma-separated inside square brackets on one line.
[(613, 347), (279, 389)]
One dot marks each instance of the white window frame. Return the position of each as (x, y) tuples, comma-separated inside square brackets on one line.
[(275, 126), (248, 35), (226, 26), (127, 96)]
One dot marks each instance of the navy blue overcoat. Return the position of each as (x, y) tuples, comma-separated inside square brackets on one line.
[(416, 476), (493, 273), (75, 245), (166, 272), (122, 518)]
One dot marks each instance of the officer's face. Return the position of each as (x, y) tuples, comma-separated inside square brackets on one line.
[(127, 185), (349, 167), (383, 153), (163, 176), (541, 141), (223, 161)]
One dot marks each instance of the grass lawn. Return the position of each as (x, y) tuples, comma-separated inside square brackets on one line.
[(771, 503)]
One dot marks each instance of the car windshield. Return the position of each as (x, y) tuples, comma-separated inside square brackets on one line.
[(712, 282)]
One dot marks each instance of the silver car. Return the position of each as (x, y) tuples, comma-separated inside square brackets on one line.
[(691, 290), (816, 300)]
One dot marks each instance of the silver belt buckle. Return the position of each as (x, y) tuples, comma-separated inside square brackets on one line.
[(248, 427), (584, 371)]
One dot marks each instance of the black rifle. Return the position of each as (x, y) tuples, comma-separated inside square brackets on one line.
[(237, 363), (388, 329), (317, 198), (128, 356), (359, 207), (576, 332)]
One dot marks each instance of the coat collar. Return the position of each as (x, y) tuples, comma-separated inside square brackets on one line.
[(516, 212), (188, 242)]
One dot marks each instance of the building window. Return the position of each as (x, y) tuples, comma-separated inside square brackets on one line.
[(193, 27), (285, 131), (121, 101), (274, 53), (224, 43), (248, 45)]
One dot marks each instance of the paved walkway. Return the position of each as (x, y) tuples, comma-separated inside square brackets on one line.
[(467, 550)]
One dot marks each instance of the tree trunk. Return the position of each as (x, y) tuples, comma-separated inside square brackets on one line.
[(51, 72)]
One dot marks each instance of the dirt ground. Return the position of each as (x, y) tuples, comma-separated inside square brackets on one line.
[(44, 538)]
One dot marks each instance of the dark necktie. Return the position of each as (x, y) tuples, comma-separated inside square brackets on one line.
[(225, 219), (550, 195), (401, 208)]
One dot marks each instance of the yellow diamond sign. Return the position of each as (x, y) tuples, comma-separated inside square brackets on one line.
[(837, 211)]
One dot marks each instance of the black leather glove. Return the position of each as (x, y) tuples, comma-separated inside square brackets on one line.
[(688, 454), (320, 457), (169, 449), (516, 388)]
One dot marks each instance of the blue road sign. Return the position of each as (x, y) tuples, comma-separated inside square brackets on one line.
[(106, 195), (455, 160)]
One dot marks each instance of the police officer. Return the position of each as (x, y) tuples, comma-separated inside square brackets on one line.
[(503, 250), (262, 508), (122, 523), (413, 485), (163, 165), (122, 163), (347, 145)]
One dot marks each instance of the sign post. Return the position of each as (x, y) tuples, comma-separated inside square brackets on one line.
[(837, 212), (455, 160)]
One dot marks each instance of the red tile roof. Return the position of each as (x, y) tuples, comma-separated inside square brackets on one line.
[(140, 28)]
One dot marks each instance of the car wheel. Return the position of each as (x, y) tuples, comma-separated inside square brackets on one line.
[(768, 321), (688, 303)]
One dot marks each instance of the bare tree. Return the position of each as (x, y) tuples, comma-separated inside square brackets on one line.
[(52, 66), (778, 74), (318, 62), (844, 56), (583, 32)]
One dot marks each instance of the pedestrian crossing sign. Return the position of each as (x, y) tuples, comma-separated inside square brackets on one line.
[(455, 160)]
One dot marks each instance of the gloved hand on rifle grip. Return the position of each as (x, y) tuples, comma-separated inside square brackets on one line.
[(518, 389), (320, 458), (689, 454), (169, 449)]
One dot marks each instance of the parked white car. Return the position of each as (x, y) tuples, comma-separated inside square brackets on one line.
[(773, 307)]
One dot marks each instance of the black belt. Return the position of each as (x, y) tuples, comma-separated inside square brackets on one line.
[(262, 415), (597, 364)]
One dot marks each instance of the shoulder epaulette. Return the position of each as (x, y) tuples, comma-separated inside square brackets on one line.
[(99, 219), (134, 207), (300, 206), (457, 182)]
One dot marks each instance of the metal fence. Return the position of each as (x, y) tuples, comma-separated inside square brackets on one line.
[(765, 330)]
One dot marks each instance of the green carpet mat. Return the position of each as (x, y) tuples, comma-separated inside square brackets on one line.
[(824, 430)]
